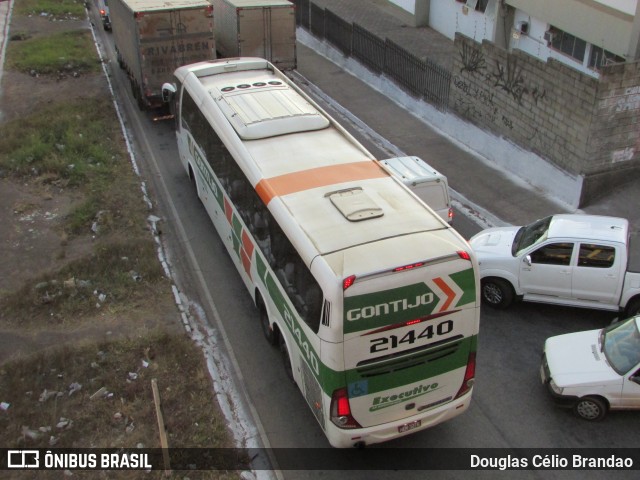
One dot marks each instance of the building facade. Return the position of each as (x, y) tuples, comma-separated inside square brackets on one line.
[(558, 78)]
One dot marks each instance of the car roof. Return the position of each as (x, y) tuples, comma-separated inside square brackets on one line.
[(589, 227)]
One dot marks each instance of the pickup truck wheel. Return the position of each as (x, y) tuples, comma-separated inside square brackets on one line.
[(496, 292), (633, 308), (590, 408)]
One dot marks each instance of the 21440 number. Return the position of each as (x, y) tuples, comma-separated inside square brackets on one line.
[(394, 341)]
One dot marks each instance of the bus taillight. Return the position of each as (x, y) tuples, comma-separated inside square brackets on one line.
[(464, 255), (341, 410), (409, 267), (347, 282), (469, 375)]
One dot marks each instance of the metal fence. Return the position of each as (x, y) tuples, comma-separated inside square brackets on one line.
[(368, 48), (420, 77), (338, 32), (302, 13), (316, 20)]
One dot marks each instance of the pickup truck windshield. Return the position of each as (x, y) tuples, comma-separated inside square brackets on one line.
[(530, 234), (622, 345)]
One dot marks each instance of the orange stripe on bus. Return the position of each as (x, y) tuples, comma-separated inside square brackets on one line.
[(228, 211), (451, 295), (269, 188), (247, 244)]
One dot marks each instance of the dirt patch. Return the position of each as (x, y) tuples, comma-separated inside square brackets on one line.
[(32, 240), (21, 92)]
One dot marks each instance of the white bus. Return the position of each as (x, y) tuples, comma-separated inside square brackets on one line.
[(372, 297)]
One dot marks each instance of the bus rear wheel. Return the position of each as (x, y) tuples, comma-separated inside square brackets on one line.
[(269, 333), (286, 359)]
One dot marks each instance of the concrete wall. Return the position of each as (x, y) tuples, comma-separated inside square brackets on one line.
[(585, 126), (614, 139)]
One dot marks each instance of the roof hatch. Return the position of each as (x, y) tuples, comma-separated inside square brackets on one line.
[(355, 204), (264, 109)]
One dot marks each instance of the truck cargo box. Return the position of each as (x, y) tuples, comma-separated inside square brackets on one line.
[(256, 28), (154, 37)]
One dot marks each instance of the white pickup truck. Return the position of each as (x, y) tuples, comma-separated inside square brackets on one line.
[(575, 260)]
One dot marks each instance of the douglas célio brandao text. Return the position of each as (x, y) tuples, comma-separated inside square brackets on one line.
[(550, 461)]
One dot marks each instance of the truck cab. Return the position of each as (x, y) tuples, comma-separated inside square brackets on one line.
[(574, 260)]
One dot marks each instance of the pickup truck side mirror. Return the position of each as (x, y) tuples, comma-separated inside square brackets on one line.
[(168, 91), (527, 260)]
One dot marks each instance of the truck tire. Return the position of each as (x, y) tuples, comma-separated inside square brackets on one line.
[(496, 292), (590, 408), (120, 60), (633, 307)]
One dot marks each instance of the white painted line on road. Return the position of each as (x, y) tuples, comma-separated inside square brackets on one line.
[(5, 16)]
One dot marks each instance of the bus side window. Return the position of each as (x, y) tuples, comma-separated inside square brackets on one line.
[(313, 301)]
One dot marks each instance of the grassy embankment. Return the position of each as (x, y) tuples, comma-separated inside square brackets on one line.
[(78, 147)]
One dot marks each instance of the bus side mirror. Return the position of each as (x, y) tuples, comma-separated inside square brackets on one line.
[(168, 92)]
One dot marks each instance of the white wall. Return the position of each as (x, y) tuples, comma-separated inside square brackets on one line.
[(408, 5), (534, 44), (448, 17)]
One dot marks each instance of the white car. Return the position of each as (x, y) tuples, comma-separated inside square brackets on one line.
[(595, 371)]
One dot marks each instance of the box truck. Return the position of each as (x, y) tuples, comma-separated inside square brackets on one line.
[(154, 37), (256, 28)]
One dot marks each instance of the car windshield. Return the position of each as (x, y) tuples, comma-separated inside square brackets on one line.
[(530, 234), (621, 345)]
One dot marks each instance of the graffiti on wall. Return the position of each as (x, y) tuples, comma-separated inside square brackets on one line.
[(629, 101), (507, 76), (472, 59)]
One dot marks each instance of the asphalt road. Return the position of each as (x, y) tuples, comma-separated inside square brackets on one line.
[(510, 407)]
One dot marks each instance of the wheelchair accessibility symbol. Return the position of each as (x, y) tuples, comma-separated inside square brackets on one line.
[(357, 389)]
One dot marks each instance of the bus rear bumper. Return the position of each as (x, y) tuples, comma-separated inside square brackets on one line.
[(361, 437)]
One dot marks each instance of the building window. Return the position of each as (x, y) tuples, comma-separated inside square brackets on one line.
[(479, 5), (567, 43), (600, 57)]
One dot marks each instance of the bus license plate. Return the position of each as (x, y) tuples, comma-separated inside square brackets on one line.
[(409, 426)]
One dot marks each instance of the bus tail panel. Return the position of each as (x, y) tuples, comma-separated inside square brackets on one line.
[(408, 339)]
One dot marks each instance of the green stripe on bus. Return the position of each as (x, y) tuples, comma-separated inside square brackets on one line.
[(466, 281)]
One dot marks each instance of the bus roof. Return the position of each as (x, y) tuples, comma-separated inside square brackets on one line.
[(305, 165)]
